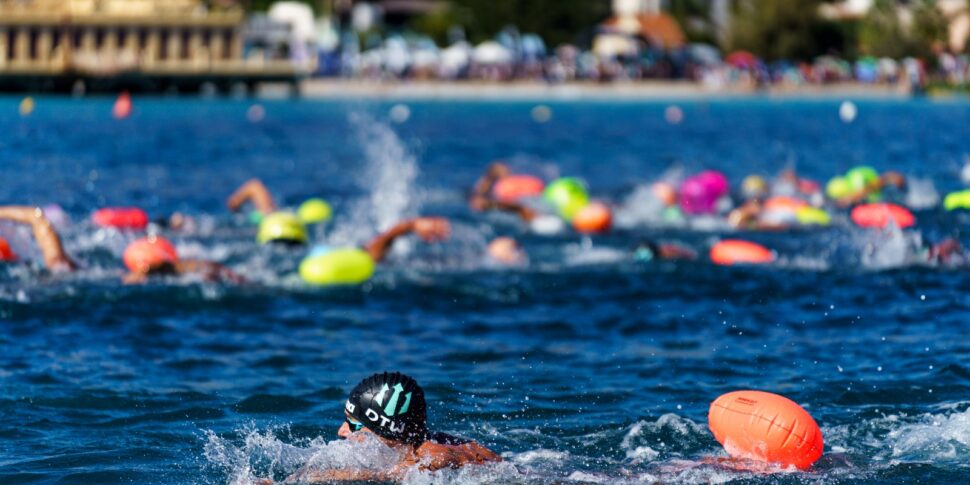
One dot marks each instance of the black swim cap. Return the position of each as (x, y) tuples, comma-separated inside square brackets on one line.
[(392, 406)]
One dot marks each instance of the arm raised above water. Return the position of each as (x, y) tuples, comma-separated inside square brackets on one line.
[(44, 234)]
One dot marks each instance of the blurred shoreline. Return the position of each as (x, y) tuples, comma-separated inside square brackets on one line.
[(526, 90)]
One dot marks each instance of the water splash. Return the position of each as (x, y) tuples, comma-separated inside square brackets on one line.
[(388, 177)]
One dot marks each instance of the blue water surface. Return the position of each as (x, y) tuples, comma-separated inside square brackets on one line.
[(583, 366)]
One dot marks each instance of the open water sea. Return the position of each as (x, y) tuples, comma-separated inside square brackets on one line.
[(583, 366)]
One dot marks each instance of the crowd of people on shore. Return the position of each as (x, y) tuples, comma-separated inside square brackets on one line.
[(526, 58)]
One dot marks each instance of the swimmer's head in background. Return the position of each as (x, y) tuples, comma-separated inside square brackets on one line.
[(281, 227), (506, 251), (314, 211), (754, 187), (646, 251), (149, 254), (391, 405)]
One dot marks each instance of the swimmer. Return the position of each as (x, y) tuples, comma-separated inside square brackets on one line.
[(326, 266), (506, 251), (482, 201), (650, 251), (155, 256), (750, 216), (876, 186), (46, 237), (946, 252), (255, 192), (392, 408)]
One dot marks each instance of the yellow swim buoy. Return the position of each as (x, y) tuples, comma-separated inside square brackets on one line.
[(346, 266)]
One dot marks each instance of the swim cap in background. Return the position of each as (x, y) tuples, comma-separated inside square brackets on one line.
[(596, 217), (754, 186), (515, 187), (121, 218), (6, 254), (255, 217), (567, 195), (813, 216), (347, 266), (314, 211), (860, 177), (281, 227), (838, 188), (149, 253), (391, 405), (957, 200)]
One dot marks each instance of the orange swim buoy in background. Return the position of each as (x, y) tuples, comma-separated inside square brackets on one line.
[(595, 217), (766, 427), (6, 254), (880, 215), (148, 253), (121, 218), (735, 251), (512, 188), (122, 106), (783, 203)]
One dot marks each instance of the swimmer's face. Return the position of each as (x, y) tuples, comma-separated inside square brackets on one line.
[(505, 250), (350, 427)]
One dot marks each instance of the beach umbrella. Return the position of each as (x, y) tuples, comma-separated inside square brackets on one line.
[(742, 60), (491, 52)]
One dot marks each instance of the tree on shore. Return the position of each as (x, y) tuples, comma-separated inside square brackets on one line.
[(775, 30), (883, 33)]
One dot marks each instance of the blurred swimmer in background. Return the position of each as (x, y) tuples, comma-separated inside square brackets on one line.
[(391, 407), (144, 257)]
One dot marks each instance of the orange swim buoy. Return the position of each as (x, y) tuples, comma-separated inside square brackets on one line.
[(515, 187), (148, 253), (735, 251), (765, 427), (783, 203), (121, 218), (881, 214), (595, 217), (122, 106), (6, 254)]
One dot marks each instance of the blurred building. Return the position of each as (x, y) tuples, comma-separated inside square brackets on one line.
[(636, 22), (135, 44)]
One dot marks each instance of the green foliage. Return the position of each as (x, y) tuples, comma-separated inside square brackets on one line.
[(883, 34), (556, 21), (694, 17), (778, 30)]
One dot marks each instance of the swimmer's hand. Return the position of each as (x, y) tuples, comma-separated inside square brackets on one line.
[(432, 229), (330, 476)]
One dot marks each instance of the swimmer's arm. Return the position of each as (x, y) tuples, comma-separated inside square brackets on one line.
[(330, 476), (479, 198), (675, 252), (210, 271), (44, 234), (252, 191), (431, 229)]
